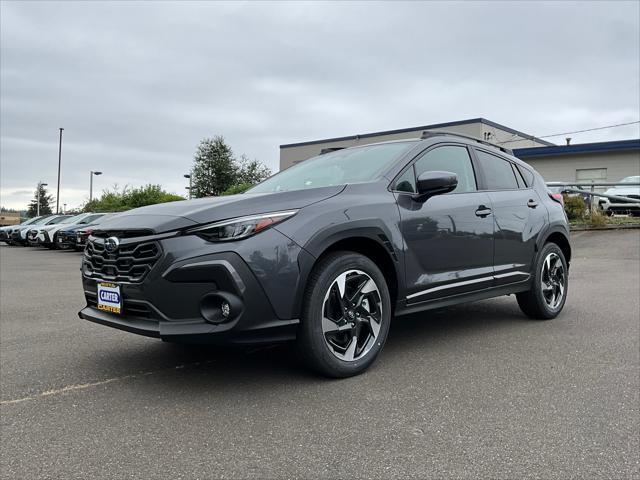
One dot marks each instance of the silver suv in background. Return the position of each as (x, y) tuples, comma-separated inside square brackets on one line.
[(616, 206)]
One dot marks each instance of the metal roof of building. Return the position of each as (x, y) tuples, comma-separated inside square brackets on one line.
[(419, 129), (597, 147)]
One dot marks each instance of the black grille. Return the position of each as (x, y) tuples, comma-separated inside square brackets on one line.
[(129, 263)]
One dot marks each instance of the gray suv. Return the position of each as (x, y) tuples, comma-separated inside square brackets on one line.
[(329, 251)]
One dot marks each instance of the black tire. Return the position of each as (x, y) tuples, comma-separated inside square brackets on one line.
[(311, 343), (533, 303)]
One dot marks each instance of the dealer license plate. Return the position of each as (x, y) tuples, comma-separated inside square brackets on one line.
[(109, 298)]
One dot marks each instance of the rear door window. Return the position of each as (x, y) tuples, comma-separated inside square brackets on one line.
[(497, 171)]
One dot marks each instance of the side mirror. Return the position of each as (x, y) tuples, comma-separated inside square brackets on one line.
[(435, 183)]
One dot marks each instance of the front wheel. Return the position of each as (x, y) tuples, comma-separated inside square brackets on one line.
[(548, 292), (346, 315)]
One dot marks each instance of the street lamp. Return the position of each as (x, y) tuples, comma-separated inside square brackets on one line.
[(91, 174), (189, 187), (59, 165), (40, 185)]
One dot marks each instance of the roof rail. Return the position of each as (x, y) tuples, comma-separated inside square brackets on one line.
[(331, 149), (433, 133)]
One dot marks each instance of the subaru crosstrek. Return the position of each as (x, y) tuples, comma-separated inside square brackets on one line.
[(328, 251)]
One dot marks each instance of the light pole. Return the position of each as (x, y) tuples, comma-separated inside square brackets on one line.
[(189, 187), (91, 174), (40, 185), (59, 165)]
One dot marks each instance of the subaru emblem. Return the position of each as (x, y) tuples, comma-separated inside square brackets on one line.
[(111, 244)]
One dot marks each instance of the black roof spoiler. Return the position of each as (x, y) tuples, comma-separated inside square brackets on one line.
[(433, 133)]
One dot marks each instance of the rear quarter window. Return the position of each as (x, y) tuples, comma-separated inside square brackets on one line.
[(525, 174)]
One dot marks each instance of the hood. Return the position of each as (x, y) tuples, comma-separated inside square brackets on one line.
[(165, 217), (622, 191)]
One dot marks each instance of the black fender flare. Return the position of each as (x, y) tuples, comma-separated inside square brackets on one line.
[(545, 233), (316, 246)]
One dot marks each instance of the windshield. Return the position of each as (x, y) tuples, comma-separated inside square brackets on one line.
[(73, 219), (56, 220), (353, 165), (635, 179), (91, 218)]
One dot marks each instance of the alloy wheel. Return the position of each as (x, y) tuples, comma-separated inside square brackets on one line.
[(351, 315), (553, 280)]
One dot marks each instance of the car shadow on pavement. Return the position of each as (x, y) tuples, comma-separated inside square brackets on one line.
[(211, 366)]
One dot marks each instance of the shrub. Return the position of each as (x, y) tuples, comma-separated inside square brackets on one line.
[(597, 219), (241, 188), (575, 207)]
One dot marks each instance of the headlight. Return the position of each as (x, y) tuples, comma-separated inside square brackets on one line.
[(241, 227)]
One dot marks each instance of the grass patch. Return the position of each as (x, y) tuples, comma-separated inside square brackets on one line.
[(599, 220)]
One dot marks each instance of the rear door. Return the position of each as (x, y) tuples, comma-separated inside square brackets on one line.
[(448, 238), (518, 215)]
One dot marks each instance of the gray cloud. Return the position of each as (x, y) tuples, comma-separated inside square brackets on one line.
[(137, 85)]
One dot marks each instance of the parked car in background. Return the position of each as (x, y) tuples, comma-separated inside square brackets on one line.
[(75, 236), (5, 232), (19, 235), (564, 188), (48, 235), (34, 235), (329, 251), (618, 206)]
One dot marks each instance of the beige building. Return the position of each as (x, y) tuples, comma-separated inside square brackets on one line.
[(585, 162), (475, 127), (598, 162), (9, 218)]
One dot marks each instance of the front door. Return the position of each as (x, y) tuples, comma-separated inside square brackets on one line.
[(448, 238)]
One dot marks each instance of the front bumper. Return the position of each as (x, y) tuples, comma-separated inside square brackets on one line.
[(180, 298), (616, 206), (66, 240)]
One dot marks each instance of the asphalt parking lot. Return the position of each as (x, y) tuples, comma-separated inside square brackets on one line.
[(473, 391)]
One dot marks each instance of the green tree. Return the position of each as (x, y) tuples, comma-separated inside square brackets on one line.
[(45, 198), (118, 200), (251, 172), (214, 169)]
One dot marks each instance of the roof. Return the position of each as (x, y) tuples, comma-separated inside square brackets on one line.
[(598, 147), (419, 129)]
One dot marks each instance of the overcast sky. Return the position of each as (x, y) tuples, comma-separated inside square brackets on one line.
[(137, 85)]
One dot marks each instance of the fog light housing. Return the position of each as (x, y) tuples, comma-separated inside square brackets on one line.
[(220, 307)]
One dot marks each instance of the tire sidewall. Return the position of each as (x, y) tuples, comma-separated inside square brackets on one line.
[(311, 325)]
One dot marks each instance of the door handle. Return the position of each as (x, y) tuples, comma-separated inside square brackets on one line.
[(483, 211), (532, 203)]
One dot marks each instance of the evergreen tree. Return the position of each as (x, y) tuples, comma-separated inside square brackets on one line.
[(214, 169), (251, 172), (45, 208)]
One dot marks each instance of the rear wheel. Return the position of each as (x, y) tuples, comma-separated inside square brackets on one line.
[(548, 292), (346, 315)]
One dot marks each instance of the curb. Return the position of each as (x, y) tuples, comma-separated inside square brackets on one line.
[(606, 227)]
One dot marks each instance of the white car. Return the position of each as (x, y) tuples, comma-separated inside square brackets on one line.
[(46, 235), (5, 232), (616, 206), (18, 235)]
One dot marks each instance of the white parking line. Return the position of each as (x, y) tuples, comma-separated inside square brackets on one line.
[(83, 386)]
